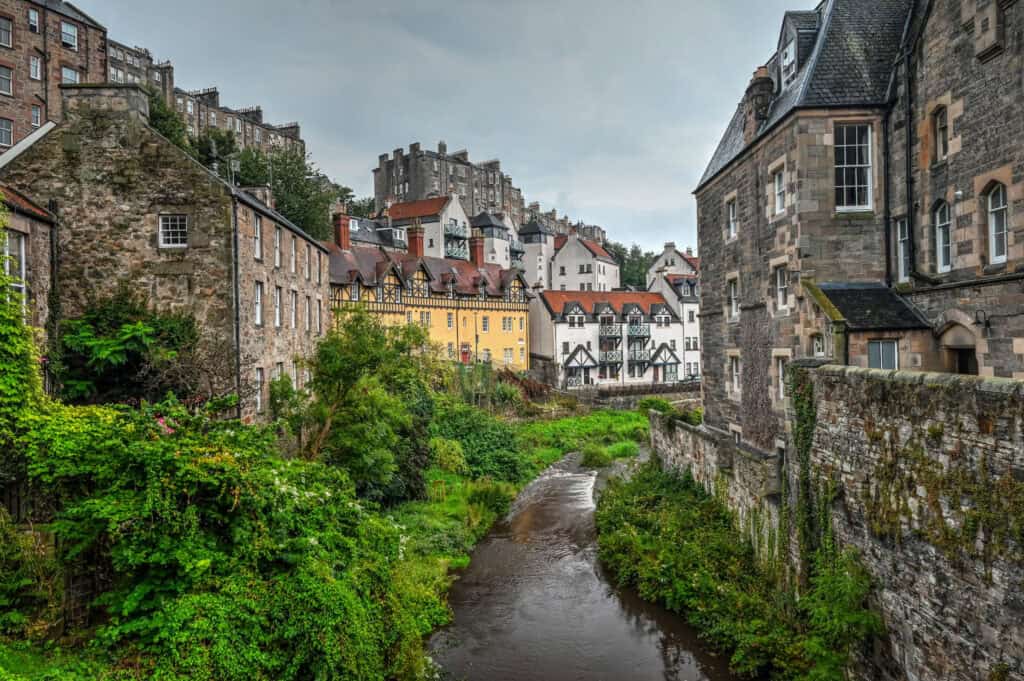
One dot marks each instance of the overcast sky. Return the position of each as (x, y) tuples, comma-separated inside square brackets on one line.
[(607, 111)]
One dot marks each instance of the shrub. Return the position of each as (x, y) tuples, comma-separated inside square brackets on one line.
[(447, 455), (493, 495), (623, 450), (507, 396), (658, 404), (485, 440), (595, 456)]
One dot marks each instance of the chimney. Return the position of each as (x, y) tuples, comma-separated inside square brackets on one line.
[(342, 232), (414, 149), (442, 148), (416, 239), (108, 101), (689, 251), (476, 250), (670, 245), (756, 103)]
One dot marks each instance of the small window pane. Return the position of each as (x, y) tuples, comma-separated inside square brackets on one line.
[(6, 30), (6, 80), (173, 231)]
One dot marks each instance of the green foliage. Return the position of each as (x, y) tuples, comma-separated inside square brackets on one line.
[(664, 535), (572, 434), (633, 263), (120, 350), (487, 442), (214, 148), (447, 455), (166, 120), (362, 208), (658, 404), (495, 496), (595, 456), (623, 450), (303, 194), (29, 586), (507, 396)]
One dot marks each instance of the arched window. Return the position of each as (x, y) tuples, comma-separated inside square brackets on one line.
[(940, 119), (943, 254), (997, 215)]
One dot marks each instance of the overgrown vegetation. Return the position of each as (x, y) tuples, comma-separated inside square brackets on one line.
[(694, 417), (664, 535)]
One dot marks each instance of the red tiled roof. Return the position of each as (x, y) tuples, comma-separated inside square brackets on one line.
[(592, 246), (22, 204), (676, 278), (557, 300), (417, 209)]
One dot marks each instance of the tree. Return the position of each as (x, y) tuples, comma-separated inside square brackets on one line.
[(166, 120), (362, 208), (633, 263), (214, 148)]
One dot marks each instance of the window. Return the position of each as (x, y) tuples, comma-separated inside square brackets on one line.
[(37, 115), (943, 259), (522, 354), (190, 107), (730, 210), (277, 307), (257, 236), (788, 61), (818, 345), (69, 35), (691, 316), (259, 390), (319, 317), (902, 250), (279, 370), (508, 356), (781, 287), (883, 354), (68, 75), (213, 118), (295, 249), (522, 323), (173, 231), (257, 301), (737, 437), (319, 268), (451, 320), (295, 310), (309, 313), (734, 374), (997, 224), (853, 167), (780, 370), (561, 270), (238, 125), (259, 135), (487, 354), (33, 20), (941, 122), (734, 298), (14, 261), (485, 324), (6, 32), (6, 81), (35, 68), (451, 347), (354, 291), (277, 247), (780, 191), (309, 261)]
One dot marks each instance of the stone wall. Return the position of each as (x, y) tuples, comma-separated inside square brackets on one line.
[(929, 474)]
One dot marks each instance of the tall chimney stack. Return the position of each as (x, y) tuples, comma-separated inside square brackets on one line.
[(757, 102), (416, 239), (342, 232), (476, 250)]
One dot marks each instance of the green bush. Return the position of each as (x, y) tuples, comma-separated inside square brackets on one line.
[(486, 441), (507, 396), (595, 456), (658, 404), (493, 495), (623, 450), (447, 455)]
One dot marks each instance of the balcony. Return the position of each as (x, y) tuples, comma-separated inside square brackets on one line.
[(517, 261), (456, 231), (640, 330), (611, 331), (611, 357), (640, 355), (456, 248), (516, 246), (574, 382)]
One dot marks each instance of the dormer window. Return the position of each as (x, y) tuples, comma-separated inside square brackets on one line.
[(788, 62)]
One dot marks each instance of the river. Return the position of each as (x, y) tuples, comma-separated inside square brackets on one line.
[(535, 605)]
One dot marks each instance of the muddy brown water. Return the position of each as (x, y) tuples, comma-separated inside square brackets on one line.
[(535, 605)]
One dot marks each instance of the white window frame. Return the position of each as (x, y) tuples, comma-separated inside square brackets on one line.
[(35, 67), (735, 374), (257, 303), (940, 119), (780, 369), (257, 236), (33, 20), (309, 262), (319, 317), (731, 217), (846, 166), (779, 181), (9, 31), (997, 206), (6, 132), (7, 79), (259, 390), (895, 353), (295, 253), (309, 314), (69, 76), (451, 320), (485, 324), (782, 288), (943, 238), (69, 30), (173, 234), (902, 250), (21, 275), (277, 247), (788, 61), (277, 307), (733, 288), (37, 115), (295, 309)]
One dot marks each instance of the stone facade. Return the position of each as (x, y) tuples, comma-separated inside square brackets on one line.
[(202, 110), (51, 43), (966, 146), (137, 65), (115, 182), (927, 472), (28, 255)]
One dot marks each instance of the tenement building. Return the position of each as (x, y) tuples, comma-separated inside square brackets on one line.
[(42, 45), (581, 339), (133, 208), (202, 110), (137, 65), (473, 310)]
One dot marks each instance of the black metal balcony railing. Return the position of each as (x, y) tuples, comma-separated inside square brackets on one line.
[(640, 330), (611, 357), (516, 246), (574, 382), (457, 231), (610, 330), (517, 261), (636, 355), (456, 249)]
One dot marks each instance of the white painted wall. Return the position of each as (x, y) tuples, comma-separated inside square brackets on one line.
[(566, 264)]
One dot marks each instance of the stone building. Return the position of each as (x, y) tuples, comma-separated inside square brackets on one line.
[(676, 276), (137, 65), (579, 264), (582, 338), (134, 208), (27, 255), (475, 311), (202, 110), (43, 44)]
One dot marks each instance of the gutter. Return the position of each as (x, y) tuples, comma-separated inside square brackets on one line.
[(238, 305)]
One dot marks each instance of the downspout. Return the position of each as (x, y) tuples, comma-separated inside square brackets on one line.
[(886, 174), (911, 241), (238, 305)]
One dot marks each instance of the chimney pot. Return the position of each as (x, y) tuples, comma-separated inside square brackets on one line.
[(342, 231), (416, 239), (476, 250)]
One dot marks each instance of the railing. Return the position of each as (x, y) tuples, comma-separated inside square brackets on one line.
[(640, 330), (456, 231), (456, 249), (611, 357), (517, 262), (574, 382), (516, 246), (640, 355), (608, 330)]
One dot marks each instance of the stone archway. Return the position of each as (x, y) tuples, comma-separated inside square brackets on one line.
[(959, 345)]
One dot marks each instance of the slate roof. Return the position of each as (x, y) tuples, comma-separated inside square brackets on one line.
[(487, 220), (591, 301), (20, 203), (595, 248), (70, 11), (850, 65), (873, 307), (535, 227)]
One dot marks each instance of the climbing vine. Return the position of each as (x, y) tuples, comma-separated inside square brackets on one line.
[(805, 420)]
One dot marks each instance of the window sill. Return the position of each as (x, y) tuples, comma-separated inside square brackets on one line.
[(940, 164), (855, 213), (994, 268)]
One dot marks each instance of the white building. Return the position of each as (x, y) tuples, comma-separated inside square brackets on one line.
[(674, 262), (580, 264), (446, 228), (605, 338), (682, 291), (501, 246), (539, 245)]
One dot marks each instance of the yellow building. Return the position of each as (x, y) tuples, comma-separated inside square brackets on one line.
[(476, 312)]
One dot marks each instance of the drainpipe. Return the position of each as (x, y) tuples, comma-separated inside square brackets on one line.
[(238, 305), (911, 241), (886, 173)]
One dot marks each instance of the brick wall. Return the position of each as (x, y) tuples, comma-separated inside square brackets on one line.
[(929, 470)]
